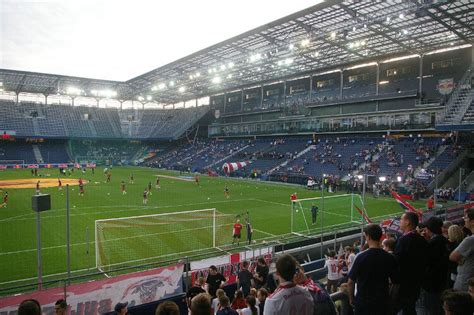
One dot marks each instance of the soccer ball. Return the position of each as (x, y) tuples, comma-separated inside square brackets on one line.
[(108, 194), (73, 206), (208, 198), (254, 241), (297, 210)]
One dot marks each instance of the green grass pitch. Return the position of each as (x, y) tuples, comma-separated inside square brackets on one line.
[(267, 203)]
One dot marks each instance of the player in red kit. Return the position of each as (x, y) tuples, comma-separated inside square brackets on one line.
[(236, 232)]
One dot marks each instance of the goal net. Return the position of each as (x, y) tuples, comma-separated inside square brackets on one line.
[(144, 239), (312, 215)]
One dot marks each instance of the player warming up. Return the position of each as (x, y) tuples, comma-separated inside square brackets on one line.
[(226, 192), (145, 196), (149, 188), (122, 188), (314, 213), (236, 232), (196, 179), (60, 185), (131, 179), (81, 187), (5, 200), (157, 184), (38, 191)]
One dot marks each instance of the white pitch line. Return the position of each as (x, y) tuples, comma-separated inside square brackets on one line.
[(260, 231), (138, 208)]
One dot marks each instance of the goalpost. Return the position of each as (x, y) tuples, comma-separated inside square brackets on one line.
[(331, 210), (145, 238)]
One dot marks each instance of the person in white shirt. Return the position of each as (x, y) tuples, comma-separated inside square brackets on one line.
[(215, 301), (350, 257), (251, 308), (288, 298), (334, 273)]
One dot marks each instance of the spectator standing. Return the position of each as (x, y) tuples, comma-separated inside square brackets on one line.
[(244, 279), (457, 303), (410, 252), (252, 308), (121, 308), (261, 273), (201, 304), (332, 263), (434, 282), (29, 307), (463, 255), (455, 237), (373, 271), (239, 301), (195, 290), (225, 307), (60, 307), (167, 308), (215, 280), (288, 298), (215, 303), (262, 295)]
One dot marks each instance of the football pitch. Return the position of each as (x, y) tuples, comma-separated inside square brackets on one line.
[(267, 203)]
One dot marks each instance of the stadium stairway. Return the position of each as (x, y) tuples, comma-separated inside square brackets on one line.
[(37, 153)]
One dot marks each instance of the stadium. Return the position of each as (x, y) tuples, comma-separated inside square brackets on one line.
[(303, 130)]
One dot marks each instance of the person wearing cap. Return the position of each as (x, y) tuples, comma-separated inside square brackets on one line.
[(434, 280), (463, 255), (60, 307), (121, 308)]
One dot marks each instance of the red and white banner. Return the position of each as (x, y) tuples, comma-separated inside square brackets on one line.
[(100, 296), (229, 265), (234, 166)]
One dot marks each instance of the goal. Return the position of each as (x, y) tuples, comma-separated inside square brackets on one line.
[(147, 238), (331, 211)]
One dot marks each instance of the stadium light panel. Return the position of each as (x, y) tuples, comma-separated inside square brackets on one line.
[(216, 80), (73, 90), (333, 35), (182, 89), (400, 58), (161, 86), (401, 15), (291, 46), (255, 57), (171, 83), (149, 98), (316, 54), (229, 76), (223, 67), (448, 49), (197, 75), (230, 65), (382, 178), (362, 65), (383, 82), (288, 61)]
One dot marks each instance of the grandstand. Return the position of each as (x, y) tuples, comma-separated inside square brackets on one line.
[(365, 97)]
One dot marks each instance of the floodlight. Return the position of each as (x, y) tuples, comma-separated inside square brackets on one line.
[(401, 16), (255, 57), (405, 32), (161, 86), (351, 45), (288, 61), (280, 62), (223, 67), (171, 83), (383, 82), (291, 46), (382, 178), (229, 76), (197, 75), (182, 89), (230, 64), (191, 77), (94, 92), (73, 90), (216, 80), (154, 88), (149, 98), (362, 43), (333, 35), (388, 19), (316, 54), (399, 179), (353, 28)]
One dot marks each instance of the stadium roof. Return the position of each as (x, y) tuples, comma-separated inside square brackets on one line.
[(324, 36)]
